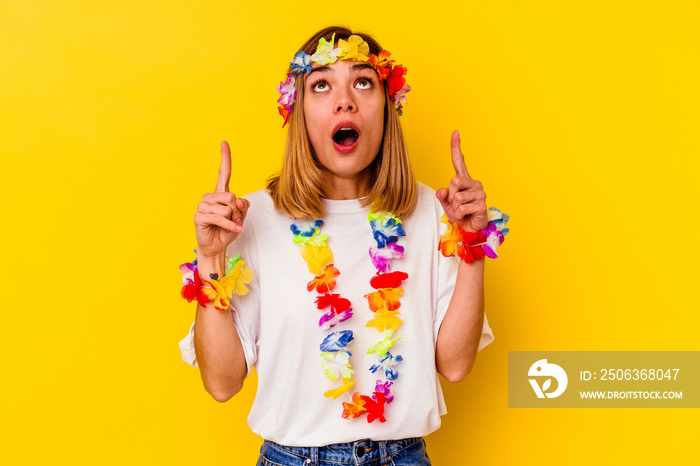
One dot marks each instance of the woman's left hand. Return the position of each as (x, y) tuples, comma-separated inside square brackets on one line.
[(465, 200)]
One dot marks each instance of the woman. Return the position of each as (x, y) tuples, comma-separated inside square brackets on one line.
[(329, 351)]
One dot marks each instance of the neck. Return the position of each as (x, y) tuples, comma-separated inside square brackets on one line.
[(348, 188)]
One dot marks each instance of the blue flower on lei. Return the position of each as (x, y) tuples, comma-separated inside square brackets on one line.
[(303, 228), (387, 363), (337, 341), (499, 219), (387, 231)]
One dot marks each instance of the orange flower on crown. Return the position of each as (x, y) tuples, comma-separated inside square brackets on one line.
[(381, 63)]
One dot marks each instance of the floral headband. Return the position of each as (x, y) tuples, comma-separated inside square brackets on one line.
[(356, 49)]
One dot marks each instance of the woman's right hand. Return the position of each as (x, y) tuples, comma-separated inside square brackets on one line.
[(219, 217)]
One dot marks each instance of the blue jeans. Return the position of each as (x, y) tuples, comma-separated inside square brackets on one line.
[(409, 451)]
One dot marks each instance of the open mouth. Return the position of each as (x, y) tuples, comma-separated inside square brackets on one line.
[(346, 136)]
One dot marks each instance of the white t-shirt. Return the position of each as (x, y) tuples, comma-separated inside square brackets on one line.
[(277, 322)]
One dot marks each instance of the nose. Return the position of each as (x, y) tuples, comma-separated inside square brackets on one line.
[(345, 102)]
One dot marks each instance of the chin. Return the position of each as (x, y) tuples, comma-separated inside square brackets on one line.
[(348, 170)]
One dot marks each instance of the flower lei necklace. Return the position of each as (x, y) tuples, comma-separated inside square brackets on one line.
[(355, 49), (384, 303)]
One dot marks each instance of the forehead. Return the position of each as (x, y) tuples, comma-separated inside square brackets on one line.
[(341, 67)]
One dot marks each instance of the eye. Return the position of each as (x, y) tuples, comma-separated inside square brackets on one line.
[(364, 83), (320, 86)]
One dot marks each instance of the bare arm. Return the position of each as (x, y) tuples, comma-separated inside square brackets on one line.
[(218, 222), (219, 351), (460, 331)]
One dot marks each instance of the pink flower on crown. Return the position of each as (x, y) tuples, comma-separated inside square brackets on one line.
[(288, 92), (400, 96)]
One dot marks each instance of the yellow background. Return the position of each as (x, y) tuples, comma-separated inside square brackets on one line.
[(580, 118)]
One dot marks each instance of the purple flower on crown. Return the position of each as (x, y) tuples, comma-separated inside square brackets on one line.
[(288, 92), (400, 97)]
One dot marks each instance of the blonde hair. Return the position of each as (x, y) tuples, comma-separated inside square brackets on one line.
[(299, 186)]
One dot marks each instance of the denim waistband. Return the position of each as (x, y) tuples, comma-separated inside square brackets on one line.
[(361, 452)]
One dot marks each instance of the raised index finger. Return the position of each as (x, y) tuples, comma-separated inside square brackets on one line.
[(458, 157), (224, 169)]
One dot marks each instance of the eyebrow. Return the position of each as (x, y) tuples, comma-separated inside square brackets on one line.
[(357, 67)]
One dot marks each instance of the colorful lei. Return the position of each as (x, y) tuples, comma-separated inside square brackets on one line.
[(234, 282), (472, 246), (356, 49), (384, 303)]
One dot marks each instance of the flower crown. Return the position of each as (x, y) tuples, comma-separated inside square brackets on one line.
[(356, 49)]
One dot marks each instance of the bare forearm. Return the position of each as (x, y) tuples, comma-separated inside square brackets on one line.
[(219, 351), (460, 331)]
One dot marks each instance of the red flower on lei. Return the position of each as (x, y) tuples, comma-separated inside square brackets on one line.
[(336, 303), (388, 280), (193, 290), (465, 244)]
